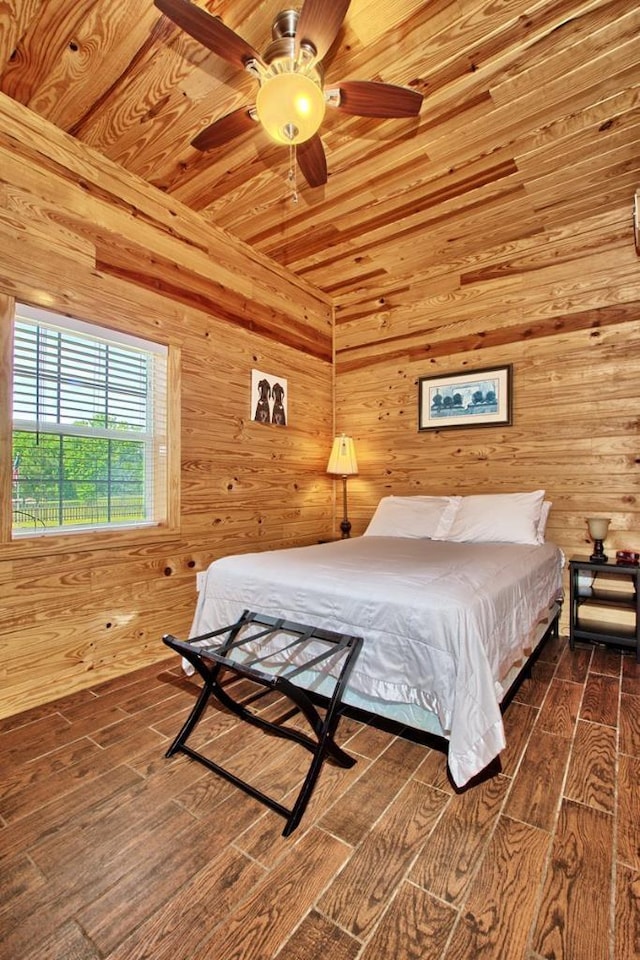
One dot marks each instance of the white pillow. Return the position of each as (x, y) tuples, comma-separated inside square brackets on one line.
[(422, 517), (542, 523), (498, 518)]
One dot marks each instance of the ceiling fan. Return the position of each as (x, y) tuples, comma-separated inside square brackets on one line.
[(291, 99)]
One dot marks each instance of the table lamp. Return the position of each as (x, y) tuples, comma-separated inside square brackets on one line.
[(598, 527), (343, 463)]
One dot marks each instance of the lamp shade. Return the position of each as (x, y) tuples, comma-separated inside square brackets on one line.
[(598, 527), (343, 457)]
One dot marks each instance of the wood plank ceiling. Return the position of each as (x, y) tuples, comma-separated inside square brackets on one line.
[(530, 121)]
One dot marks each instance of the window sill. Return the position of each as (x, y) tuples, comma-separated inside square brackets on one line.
[(49, 545)]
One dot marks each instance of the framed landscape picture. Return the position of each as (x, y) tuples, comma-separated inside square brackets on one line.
[(476, 398)]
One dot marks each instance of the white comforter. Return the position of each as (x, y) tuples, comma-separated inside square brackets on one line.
[(442, 622)]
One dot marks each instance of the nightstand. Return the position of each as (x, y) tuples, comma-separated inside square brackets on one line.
[(604, 603)]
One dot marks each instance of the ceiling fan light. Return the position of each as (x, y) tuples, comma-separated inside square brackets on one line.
[(290, 107)]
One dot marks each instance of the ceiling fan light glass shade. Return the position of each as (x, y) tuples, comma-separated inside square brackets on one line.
[(290, 107)]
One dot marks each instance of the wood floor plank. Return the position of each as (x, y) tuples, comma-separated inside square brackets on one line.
[(537, 787), (600, 700), (574, 664), (124, 815), (82, 883), (56, 773), (152, 876), (433, 770), (35, 740), (318, 937), (447, 863), (126, 728), (534, 689), (272, 765), (380, 861), (373, 791), (260, 924), (630, 724), (202, 903), (67, 941), (153, 674), (631, 676), (19, 875), (61, 812), (217, 726), (576, 899), (415, 927), (553, 649), (606, 660), (369, 741), (629, 811), (592, 771), (264, 841), (627, 925), (169, 725), (153, 696), (559, 712), (498, 915), (132, 740), (518, 721), (202, 794), (20, 721)]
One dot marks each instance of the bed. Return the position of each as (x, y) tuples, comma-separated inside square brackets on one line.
[(448, 613)]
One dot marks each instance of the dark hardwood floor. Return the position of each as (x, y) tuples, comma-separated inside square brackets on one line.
[(109, 850)]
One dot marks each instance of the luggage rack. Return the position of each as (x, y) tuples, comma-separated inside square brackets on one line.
[(269, 663)]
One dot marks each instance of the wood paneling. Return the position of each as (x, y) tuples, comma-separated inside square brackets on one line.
[(529, 123), (494, 228), (82, 236), (566, 314)]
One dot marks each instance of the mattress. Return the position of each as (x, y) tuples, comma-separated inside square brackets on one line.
[(444, 624)]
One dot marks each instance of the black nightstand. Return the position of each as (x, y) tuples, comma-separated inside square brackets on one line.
[(604, 603)]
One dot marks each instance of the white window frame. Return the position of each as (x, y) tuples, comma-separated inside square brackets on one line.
[(164, 490)]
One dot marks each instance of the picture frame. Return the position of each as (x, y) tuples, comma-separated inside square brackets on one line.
[(269, 398), (474, 398)]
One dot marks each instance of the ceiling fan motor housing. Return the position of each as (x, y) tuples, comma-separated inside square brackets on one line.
[(285, 24)]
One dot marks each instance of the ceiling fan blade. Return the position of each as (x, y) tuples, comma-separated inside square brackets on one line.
[(319, 23), (224, 129), (368, 98), (312, 161), (210, 31)]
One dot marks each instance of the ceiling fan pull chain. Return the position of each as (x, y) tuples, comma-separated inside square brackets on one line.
[(292, 173)]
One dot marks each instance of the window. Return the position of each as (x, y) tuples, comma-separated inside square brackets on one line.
[(89, 427)]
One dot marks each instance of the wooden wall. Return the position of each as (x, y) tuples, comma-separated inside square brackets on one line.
[(564, 309), (79, 235)]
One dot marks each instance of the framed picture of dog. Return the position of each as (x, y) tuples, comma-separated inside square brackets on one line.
[(269, 395), (477, 398)]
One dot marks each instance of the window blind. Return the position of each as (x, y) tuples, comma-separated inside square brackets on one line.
[(89, 440)]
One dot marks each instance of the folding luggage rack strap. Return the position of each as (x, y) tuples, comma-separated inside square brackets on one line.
[(248, 651)]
